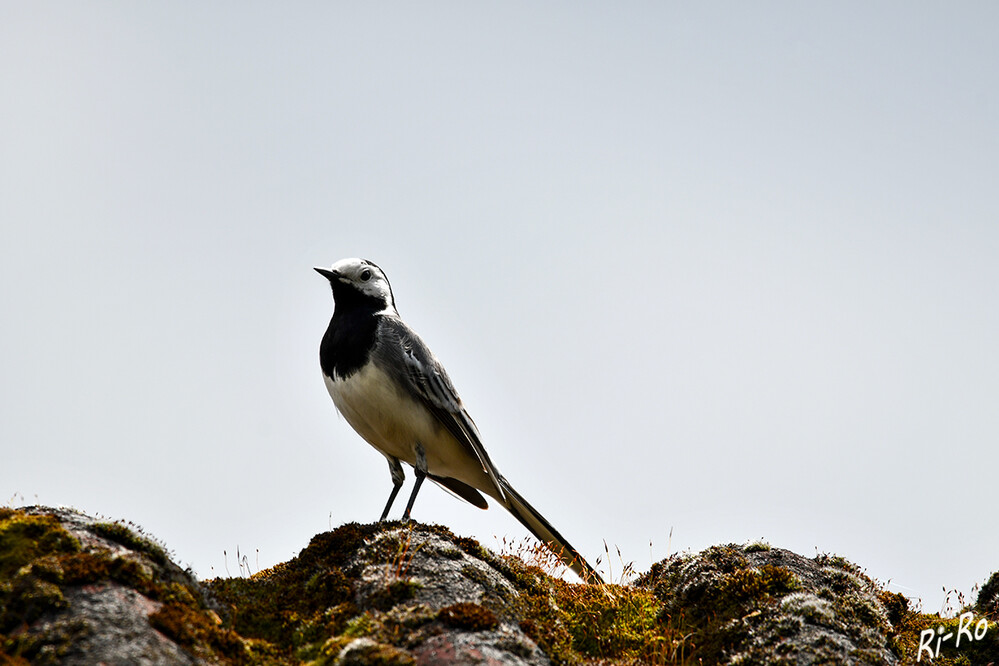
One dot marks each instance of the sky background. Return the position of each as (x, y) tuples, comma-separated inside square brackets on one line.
[(720, 270)]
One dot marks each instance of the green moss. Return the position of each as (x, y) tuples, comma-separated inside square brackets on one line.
[(323, 586), (30, 574), (744, 590), (573, 623), (472, 547), (326, 654), (612, 622), (311, 635), (24, 538), (121, 534), (394, 593), (702, 588), (362, 625), (26, 598)]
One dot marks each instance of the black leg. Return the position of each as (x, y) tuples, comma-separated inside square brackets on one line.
[(421, 473), (398, 476)]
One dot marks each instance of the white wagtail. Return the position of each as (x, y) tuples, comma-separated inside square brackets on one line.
[(395, 393)]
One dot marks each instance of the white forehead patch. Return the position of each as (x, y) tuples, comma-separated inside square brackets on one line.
[(351, 271), (351, 266)]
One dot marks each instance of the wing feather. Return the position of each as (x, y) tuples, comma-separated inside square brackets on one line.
[(426, 378)]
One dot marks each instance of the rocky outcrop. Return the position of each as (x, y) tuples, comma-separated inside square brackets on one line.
[(386, 593), (78, 590), (768, 605)]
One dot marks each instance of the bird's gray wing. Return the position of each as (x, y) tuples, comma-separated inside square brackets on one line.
[(414, 365)]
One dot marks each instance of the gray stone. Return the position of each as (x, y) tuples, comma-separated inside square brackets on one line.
[(439, 575)]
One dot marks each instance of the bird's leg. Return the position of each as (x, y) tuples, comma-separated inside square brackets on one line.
[(398, 476), (421, 473)]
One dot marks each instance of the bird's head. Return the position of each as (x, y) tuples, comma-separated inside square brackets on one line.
[(361, 282)]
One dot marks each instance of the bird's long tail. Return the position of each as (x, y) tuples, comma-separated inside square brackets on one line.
[(543, 530)]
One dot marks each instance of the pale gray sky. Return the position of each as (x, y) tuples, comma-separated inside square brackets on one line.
[(728, 269)]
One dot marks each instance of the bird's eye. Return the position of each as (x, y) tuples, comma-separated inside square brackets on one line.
[(365, 275)]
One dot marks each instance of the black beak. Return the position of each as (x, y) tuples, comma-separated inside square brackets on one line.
[(327, 273)]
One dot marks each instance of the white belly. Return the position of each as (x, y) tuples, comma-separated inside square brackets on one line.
[(393, 423)]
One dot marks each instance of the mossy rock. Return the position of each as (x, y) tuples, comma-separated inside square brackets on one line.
[(390, 593), (739, 605), (62, 577)]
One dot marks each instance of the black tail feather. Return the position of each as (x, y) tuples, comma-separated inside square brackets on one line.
[(543, 530)]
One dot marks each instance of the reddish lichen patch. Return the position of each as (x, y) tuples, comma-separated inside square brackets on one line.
[(468, 616)]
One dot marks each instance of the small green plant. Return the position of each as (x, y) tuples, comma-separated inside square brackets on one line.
[(757, 547)]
